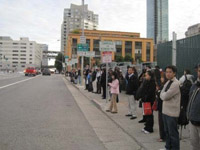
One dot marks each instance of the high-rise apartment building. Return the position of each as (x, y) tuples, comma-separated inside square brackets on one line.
[(157, 20), (72, 20), (19, 54), (44, 47)]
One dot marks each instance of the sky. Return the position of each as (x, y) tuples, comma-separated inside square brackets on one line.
[(40, 20)]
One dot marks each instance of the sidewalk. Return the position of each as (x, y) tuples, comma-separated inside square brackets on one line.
[(132, 127)]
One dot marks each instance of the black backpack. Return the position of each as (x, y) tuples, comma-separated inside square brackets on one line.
[(185, 90)]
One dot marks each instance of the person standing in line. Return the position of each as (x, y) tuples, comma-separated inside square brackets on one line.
[(193, 113), (160, 118), (187, 75), (171, 97), (132, 86), (94, 73), (79, 76), (103, 83), (114, 88), (148, 95), (98, 76)]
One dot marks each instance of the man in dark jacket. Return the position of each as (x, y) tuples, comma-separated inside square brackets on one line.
[(132, 86), (103, 83), (193, 114)]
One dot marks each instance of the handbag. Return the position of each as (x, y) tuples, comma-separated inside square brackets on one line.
[(147, 110), (155, 105)]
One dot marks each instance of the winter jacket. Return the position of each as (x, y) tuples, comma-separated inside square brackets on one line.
[(132, 84), (171, 98), (189, 77), (114, 86), (148, 91), (193, 111)]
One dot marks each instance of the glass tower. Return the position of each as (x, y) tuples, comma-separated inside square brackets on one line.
[(157, 20)]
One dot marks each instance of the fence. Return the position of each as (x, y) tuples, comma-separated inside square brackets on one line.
[(188, 54)]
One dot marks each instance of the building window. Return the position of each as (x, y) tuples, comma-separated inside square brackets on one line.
[(15, 58), (23, 62), (15, 51), (30, 54), (128, 48), (23, 43), (23, 55), (23, 51), (23, 47), (138, 51), (96, 47), (15, 54), (22, 58), (148, 51), (15, 62), (118, 48), (22, 66), (15, 43)]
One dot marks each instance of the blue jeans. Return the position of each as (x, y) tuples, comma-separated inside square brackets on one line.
[(171, 131)]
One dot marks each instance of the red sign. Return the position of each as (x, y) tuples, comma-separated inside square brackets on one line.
[(106, 57)]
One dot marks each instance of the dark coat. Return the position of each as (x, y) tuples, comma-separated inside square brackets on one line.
[(103, 79), (132, 85), (147, 91)]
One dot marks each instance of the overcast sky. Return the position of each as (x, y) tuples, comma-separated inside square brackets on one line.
[(40, 20)]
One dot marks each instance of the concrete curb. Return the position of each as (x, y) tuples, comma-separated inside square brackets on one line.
[(100, 107)]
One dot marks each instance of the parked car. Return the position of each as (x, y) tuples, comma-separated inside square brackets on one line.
[(30, 71), (46, 71)]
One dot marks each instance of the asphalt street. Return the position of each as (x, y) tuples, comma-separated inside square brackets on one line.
[(41, 114)]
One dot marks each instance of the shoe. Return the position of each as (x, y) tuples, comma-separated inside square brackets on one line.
[(133, 117), (143, 130), (103, 98), (108, 111), (114, 112), (128, 115), (142, 121), (146, 132)]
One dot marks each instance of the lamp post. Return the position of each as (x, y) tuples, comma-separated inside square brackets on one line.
[(82, 57)]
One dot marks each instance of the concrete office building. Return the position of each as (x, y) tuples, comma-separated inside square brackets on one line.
[(193, 30), (44, 47), (157, 20), (72, 20), (18, 54)]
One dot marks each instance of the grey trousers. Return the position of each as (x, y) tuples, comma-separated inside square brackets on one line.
[(194, 137), (132, 105)]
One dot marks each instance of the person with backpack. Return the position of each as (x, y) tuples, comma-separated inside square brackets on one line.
[(186, 82), (171, 97), (186, 76), (193, 113), (131, 88)]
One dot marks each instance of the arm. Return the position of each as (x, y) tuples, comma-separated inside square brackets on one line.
[(173, 90), (114, 84)]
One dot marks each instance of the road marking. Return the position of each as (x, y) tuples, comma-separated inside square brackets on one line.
[(2, 87)]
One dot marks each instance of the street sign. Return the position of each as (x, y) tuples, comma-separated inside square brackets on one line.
[(82, 39), (82, 47), (106, 57), (66, 56), (66, 60), (74, 61), (90, 54), (107, 46), (86, 54)]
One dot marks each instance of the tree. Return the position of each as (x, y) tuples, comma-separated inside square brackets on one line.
[(128, 58), (119, 58), (58, 62)]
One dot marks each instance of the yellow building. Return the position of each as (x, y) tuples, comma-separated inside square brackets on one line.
[(127, 43)]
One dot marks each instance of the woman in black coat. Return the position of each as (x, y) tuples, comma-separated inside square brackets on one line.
[(148, 95)]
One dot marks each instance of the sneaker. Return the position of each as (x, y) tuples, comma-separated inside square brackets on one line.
[(143, 130), (142, 121), (146, 132), (128, 115)]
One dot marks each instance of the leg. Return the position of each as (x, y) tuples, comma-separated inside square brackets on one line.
[(134, 107), (173, 133), (149, 123), (167, 145), (114, 98), (111, 105), (161, 126), (194, 137)]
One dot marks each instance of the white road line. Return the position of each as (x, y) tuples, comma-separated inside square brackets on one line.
[(2, 87)]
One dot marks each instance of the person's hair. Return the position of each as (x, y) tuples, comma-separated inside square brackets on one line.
[(131, 68), (134, 69), (173, 68), (115, 75), (151, 74), (157, 67), (187, 71)]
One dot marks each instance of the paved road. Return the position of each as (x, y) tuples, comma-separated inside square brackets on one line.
[(41, 114)]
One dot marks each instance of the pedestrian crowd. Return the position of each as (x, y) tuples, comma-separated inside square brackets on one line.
[(177, 101)]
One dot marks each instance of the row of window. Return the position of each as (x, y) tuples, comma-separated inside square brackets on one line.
[(1, 43)]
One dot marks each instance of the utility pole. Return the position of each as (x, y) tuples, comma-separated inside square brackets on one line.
[(82, 57), (174, 49)]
